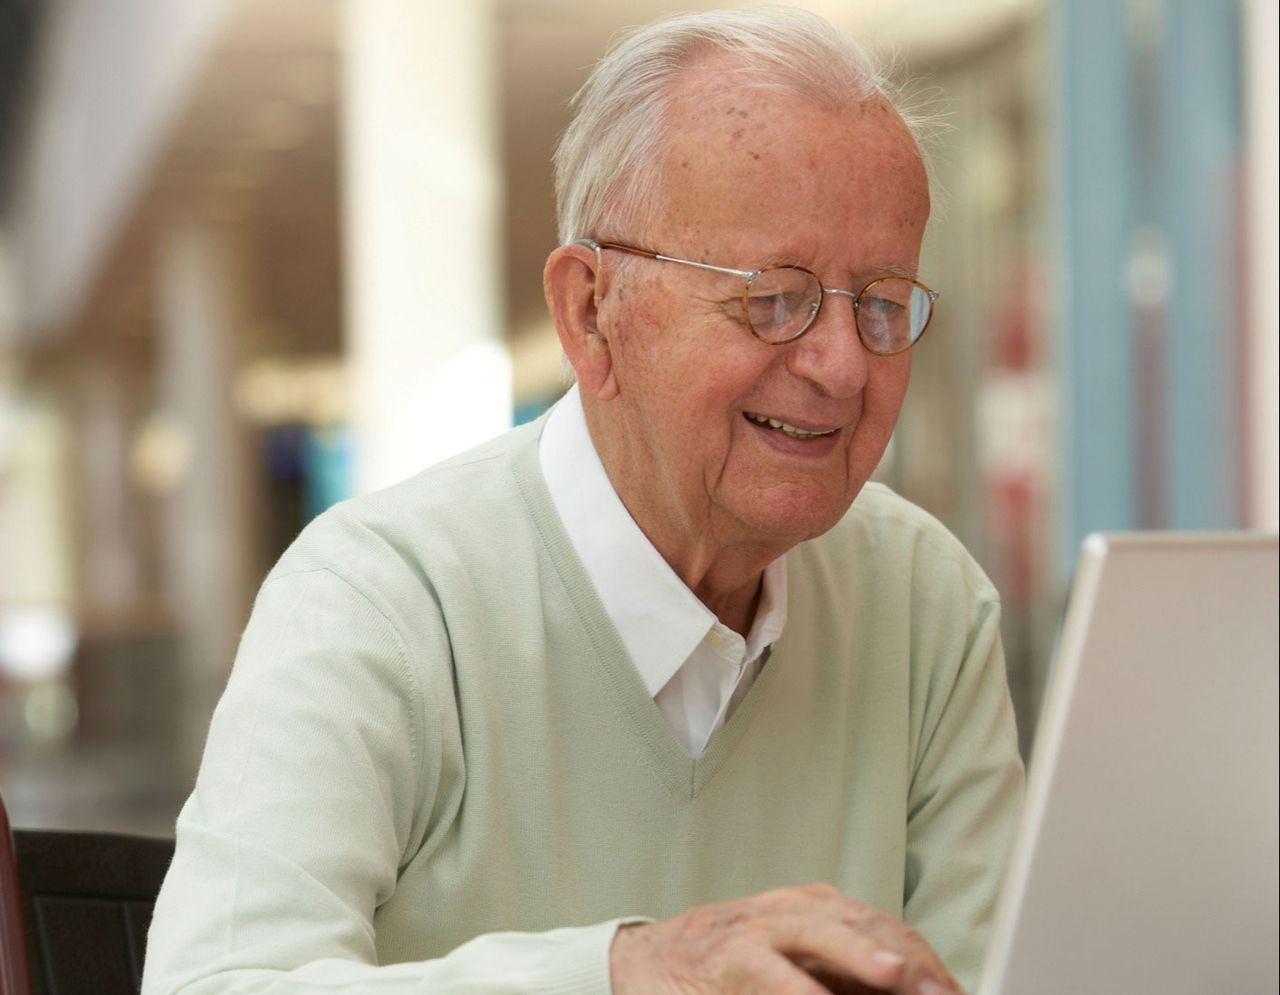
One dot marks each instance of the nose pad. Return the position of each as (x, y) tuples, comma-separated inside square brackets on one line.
[(813, 311)]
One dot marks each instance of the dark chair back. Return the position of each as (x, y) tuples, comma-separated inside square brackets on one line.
[(14, 979), (86, 901)]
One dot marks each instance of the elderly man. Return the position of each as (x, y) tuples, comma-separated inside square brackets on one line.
[(656, 694)]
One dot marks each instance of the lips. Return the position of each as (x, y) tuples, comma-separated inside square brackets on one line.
[(791, 431)]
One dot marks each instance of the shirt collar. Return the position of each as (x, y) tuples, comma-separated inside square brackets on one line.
[(660, 620)]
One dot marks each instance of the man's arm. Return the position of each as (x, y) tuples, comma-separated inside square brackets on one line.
[(966, 790), (327, 767)]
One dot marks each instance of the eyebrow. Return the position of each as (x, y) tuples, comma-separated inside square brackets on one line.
[(892, 269), (875, 271), (871, 273)]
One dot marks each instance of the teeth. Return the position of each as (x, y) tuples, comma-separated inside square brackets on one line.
[(784, 428)]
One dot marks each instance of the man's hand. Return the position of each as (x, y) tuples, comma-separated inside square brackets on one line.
[(793, 941)]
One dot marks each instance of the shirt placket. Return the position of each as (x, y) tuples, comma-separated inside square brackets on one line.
[(725, 653)]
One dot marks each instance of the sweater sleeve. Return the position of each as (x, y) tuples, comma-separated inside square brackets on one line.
[(327, 767), (964, 797)]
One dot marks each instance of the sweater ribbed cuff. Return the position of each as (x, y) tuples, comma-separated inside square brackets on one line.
[(582, 958)]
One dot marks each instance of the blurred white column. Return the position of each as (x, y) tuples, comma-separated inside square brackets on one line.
[(1261, 83), (197, 439), (36, 555), (429, 369)]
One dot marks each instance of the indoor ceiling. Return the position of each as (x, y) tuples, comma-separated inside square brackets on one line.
[(257, 145)]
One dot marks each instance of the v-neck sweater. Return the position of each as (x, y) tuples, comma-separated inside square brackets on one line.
[(435, 768), (695, 667)]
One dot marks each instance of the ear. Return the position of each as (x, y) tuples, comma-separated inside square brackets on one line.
[(573, 282)]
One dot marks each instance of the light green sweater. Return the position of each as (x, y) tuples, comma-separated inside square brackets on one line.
[(432, 732)]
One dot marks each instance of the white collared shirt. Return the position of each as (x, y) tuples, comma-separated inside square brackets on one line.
[(696, 668)]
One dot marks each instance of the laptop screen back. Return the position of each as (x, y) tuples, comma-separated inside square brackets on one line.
[(1146, 860)]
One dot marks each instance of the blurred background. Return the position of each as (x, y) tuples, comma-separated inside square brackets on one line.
[(258, 257)]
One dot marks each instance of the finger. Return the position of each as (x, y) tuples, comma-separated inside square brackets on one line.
[(780, 976), (933, 982), (925, 973), (836, 948), (838, 984)]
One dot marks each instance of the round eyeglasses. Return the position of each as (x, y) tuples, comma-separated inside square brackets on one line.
[(781, 302)]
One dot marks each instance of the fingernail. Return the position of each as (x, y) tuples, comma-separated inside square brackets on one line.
[(930, 987), (889, 959)]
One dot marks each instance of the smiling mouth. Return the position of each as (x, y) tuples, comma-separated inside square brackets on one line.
[(781, 426)]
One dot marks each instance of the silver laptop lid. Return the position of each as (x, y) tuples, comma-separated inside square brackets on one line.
[(1146, 860)]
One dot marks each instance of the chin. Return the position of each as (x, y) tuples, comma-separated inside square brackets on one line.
[(795, 514)]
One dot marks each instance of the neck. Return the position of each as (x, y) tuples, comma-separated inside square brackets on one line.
[(735, 608), (715, 556), (724, 574)]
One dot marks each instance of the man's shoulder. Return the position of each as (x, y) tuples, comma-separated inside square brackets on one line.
[(469, 497), (881, 513), (484, 470), (885, 532)]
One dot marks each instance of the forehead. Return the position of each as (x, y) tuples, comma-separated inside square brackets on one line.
[(743, 161)]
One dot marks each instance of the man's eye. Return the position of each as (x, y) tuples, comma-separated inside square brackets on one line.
[(769, 310), (882, 307)]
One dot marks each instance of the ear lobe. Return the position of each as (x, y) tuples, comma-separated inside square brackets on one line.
[(572, 282)]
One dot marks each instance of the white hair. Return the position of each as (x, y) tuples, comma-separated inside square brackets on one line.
[(608, 162)]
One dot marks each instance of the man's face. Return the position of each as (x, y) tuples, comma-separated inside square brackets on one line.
[(753, 177)]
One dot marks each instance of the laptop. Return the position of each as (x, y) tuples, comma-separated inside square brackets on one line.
[(1146, 858)]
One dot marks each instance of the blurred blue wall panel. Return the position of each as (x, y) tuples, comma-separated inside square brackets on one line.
[(1200, 162), (1095, 163)]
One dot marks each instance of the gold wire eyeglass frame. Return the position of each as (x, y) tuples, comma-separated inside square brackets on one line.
[(751, 275)]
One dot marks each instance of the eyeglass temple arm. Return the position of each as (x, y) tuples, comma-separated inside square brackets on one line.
[(591, 243)]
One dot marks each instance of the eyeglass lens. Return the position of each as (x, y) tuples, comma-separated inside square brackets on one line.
[(782, 302)]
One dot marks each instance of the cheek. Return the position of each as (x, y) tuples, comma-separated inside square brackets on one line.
[(883, 400), (685, 368), (645, 325), (887, 385), (635, 346)]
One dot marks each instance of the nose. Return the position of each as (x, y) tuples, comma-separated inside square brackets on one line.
[(830, 354)]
